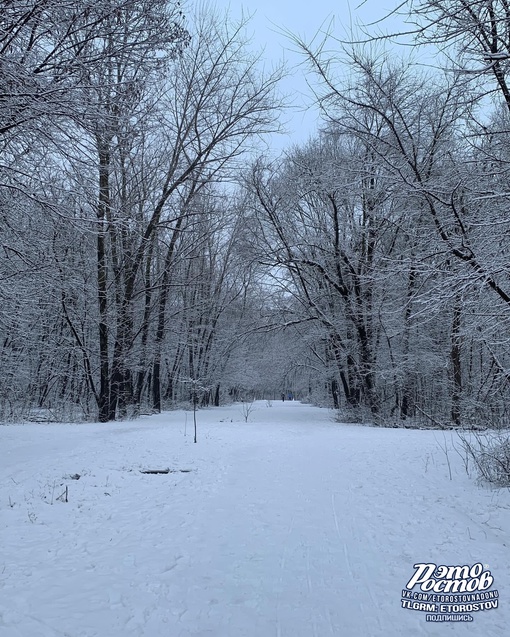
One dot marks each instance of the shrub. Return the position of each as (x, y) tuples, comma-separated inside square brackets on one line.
[(490, 453)]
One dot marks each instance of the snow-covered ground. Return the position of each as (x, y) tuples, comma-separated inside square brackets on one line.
[(288, 525)]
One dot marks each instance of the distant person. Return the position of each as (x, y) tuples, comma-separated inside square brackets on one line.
[(291, 397), (283, 397)]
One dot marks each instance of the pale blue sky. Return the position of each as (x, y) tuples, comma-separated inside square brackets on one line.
[(305, 19)]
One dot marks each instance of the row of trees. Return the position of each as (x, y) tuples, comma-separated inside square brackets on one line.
[(392, 225), (119, 122), (148, 258)]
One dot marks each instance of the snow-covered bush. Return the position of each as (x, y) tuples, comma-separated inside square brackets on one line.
[(491, 455)]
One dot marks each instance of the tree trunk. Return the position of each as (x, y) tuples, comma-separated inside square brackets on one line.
[(156, 385), (334, 393), (160, 330), (102, 283), (455, 358)]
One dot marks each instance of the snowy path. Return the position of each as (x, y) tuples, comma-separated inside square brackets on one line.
[(286, 526)]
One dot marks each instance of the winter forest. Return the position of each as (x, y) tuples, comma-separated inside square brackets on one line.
[(155, 251), (325, 312)]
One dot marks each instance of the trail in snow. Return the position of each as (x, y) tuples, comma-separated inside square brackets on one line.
[(289, 525)]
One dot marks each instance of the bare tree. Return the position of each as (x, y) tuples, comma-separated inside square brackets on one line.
[(423, 132), (156, 149), (114, 123)]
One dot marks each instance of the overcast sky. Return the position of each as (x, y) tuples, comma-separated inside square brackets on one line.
[(305, 19)]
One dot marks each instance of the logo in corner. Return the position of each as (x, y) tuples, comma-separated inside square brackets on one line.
[(450, 593)]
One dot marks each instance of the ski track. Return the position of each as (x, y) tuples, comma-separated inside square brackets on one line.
[(289, 525)]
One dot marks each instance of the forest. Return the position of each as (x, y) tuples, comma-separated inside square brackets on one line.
[(156, 252)]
